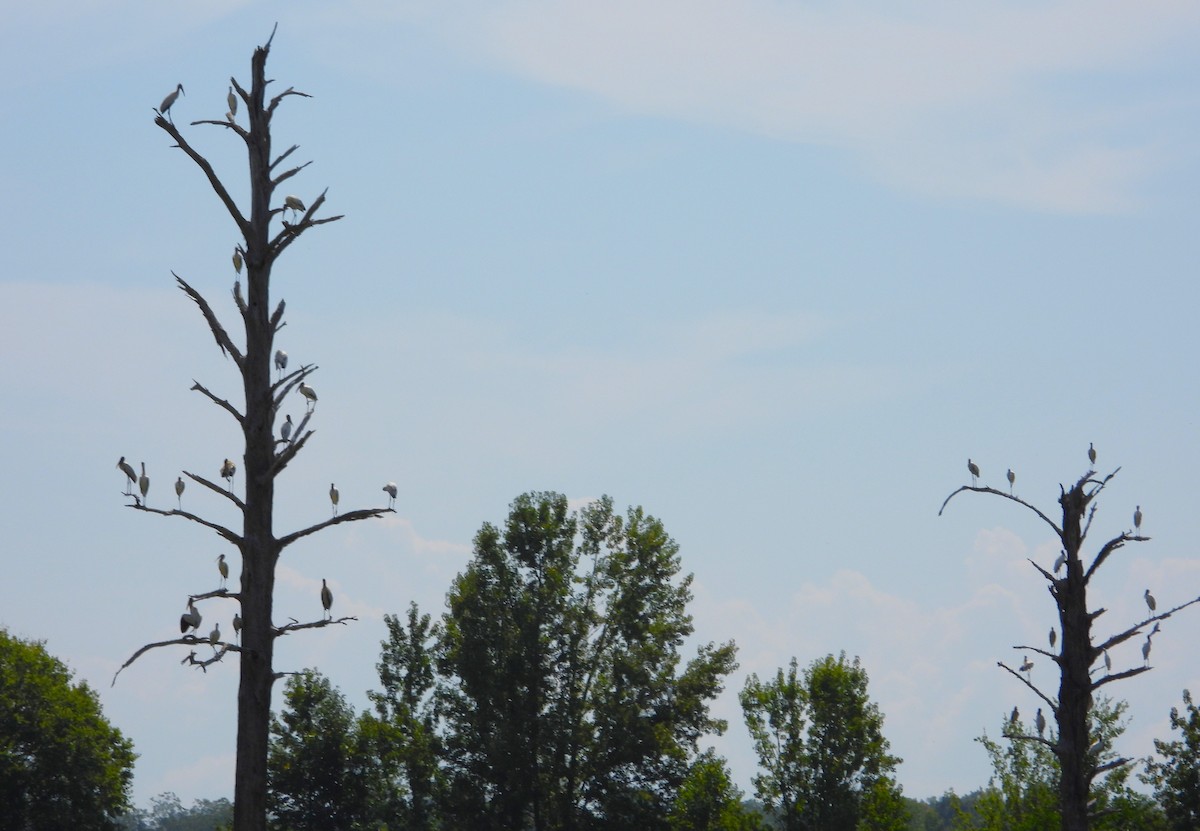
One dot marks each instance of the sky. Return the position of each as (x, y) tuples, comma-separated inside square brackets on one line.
[(773, 271)]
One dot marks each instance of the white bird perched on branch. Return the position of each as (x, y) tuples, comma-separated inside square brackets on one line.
[(1091, 453), (1137, 519), (165, 107), (231, 99), (974, 470), (1027, 666), (1014, 715), (237, 260), (1040, 721), (294, 203), (130, 475), (228, 471), (280, 361), (1060, 562), (1053, 637), (1012, 477), (179, 486), (237, 626), (286, 430), (1146, 651), (310, 394), (190, 619), (1107, 662), (215, 635), (1150, 601), (391, 490), (223, 567), (326, 597), (144, 482), (333, 497)]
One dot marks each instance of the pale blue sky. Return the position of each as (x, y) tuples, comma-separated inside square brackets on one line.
[(771, 270)]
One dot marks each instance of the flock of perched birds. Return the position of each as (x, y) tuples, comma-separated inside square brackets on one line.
[(1151, 604)]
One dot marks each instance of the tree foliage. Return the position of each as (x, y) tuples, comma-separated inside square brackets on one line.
[(824, 763), (319, 770), (62, 765), (564, 701), (709, 801), (167, 813), (1023, 791), (1175, 775), (402, 733)]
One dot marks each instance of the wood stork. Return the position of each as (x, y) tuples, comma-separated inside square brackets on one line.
[(1053, 637), (1150, 601), (333, 497), (1091, 453), (144, 482), (237, 626), (223, 567), (231, 99), (280, 361), (286, 430), (391, 490), (1060, 562), (1012, 477), (190, 619), (228, 471), (1146, 651), (1014, 715), (1137, 519), (237, 260), (1027, 666), (294, 203), (1040, 721), (165, 107), (131, 477), (310, 394), (974, 470), (214, 636), (179, 486), (1107, 662), (326, 597)]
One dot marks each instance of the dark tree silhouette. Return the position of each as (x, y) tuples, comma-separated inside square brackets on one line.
[(264, 458), (1083, 663)]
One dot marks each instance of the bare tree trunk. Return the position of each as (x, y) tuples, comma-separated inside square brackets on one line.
[(264, 458)]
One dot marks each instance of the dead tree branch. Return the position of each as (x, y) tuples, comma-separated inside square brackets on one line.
[(1028, 683), (186, 640), (215, 488), (1017, 499), (349, 516), (295, 626), (218, 331), (220, 529), (213, 180), (220, 402)]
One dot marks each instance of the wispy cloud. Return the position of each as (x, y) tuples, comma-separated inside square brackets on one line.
[(988, 101)]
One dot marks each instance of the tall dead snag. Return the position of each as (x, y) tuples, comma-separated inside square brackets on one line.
[(264, 457), (1075, 750)]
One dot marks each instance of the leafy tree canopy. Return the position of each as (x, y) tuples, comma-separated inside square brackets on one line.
[(62, 765)]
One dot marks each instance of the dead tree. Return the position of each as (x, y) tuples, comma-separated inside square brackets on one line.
[(1084, 665), (264, 458)]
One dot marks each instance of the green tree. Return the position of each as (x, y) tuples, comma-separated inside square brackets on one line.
[(62, 765), (1023, 792), (167, 813), (1176, 777), (319, 773), (565, 704), (824, 761), (709, 801), (403, 730)]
